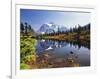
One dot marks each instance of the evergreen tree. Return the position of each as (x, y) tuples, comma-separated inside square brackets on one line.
[(26, 27), (30, 28), (21, 28)]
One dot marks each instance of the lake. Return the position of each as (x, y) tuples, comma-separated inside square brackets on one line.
[(55, 54)]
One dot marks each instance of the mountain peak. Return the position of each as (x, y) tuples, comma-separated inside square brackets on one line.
[(51, 28)]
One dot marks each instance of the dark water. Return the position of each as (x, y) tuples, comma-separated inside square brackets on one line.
[(54, 54)]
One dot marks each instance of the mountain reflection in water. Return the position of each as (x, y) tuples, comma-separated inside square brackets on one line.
[(54, 54)]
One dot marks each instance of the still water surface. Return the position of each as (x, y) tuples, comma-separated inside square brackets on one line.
[(54, 54)]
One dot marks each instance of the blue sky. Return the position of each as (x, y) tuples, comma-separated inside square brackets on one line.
[(38, 17)]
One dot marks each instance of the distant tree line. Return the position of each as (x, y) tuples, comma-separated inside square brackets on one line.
[(75, 29), (26, 29)]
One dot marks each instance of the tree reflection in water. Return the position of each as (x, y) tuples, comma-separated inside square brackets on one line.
[(48, 55)]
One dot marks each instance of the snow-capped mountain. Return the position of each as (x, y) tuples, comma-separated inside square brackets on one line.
[(62, 29), (51, 28)]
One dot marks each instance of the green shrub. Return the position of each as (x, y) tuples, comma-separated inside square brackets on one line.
[(24, 66), (27, 51), (30, 58)]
